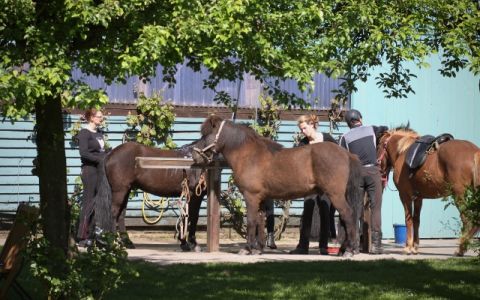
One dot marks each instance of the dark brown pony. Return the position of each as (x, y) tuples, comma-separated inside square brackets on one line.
[(449, 170), (121, 175), (263, 169)]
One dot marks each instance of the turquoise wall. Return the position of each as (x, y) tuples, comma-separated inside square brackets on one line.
[(18, 149), (439, 105)]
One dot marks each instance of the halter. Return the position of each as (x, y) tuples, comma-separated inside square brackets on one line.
[(202, 153), (384, 173)]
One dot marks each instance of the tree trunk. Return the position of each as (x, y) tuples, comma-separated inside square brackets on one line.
[(52, 172)]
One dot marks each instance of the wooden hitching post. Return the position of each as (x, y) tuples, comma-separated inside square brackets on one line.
[(213, 209)]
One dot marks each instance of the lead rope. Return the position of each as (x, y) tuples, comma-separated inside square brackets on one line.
[(159, 205), (182, 221), (202, 184)]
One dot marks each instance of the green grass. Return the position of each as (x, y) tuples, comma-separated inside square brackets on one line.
[(383, 279)]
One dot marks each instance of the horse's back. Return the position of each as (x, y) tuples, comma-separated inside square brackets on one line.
[(458, 160), (457, 152)]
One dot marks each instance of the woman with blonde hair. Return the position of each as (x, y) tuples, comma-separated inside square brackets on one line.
[(308, 125)]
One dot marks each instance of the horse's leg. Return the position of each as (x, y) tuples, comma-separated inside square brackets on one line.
[(193, 214), (407, 206), (468, 229), (122, 229), (417, 208), (119, 208), (252, 205), (349, 221)]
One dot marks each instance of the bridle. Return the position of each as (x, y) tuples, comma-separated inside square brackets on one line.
[(202, 152), (384, 172)]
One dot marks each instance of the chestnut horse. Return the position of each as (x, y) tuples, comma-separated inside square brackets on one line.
[(120, 175), (448, 170), (263, 169)]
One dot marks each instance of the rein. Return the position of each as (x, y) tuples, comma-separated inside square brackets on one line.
[(202, 153), (384, 173)]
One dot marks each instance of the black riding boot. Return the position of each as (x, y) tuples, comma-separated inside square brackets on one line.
[(271, 240), (376, 243)]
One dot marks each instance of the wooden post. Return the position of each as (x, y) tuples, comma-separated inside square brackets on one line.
[(213, 193), (213, 209), (366, 228)]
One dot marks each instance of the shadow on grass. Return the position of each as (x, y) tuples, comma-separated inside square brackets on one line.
[(381, 279), (453, 278)]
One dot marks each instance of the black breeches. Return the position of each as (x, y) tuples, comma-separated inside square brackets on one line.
[(269, 213), (372, 185), (306, 222), (89, 179)]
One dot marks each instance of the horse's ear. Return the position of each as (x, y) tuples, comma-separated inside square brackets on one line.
[(407, 127), (214, 120), (209, 124)]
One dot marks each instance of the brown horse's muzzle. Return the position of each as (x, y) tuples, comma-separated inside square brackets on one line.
[(203, 155)]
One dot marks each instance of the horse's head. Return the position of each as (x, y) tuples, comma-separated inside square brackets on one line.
[(208, 145), (383, 160)]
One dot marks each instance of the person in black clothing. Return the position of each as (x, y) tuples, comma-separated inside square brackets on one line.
[(92, 151), (362, 141), (308, 125), (270, 218)]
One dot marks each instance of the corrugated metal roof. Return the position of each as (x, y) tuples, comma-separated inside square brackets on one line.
[(189, 91)]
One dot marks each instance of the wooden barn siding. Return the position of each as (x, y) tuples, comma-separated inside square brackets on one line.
[(439, 105), (17, 150)]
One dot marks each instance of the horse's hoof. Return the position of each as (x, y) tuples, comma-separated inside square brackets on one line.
[(347, 254), (256, 252), (407, 250), (244, 252), (185, 247), (197, 249)]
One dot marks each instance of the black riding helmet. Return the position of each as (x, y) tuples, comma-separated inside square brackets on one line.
[(352, 116)]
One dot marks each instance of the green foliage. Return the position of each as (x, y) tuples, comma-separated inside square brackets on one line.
[(233, 201), (469, 207), (43, 42), (84, 275), (153, 122), (268, 119)]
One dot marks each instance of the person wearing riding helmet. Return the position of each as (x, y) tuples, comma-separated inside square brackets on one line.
[(362, 141)]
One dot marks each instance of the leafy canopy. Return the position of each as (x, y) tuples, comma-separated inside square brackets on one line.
[(42, 41)]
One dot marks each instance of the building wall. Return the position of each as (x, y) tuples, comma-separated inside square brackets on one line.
[(439, 105), (18, 149)]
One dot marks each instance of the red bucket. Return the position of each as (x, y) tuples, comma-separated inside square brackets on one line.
[(333, 250)]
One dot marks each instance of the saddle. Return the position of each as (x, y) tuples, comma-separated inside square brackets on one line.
[(417, 152)]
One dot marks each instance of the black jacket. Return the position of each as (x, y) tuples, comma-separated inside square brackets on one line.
[(91, 151)]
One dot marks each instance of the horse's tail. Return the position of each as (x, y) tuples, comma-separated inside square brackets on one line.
[(103, 200), (476, 170), (354, 193)]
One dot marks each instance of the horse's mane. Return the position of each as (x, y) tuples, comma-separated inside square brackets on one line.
[(186, 149), (243, 134), (408, 137)]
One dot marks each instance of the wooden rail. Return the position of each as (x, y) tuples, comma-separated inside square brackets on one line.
[(213, 189)]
